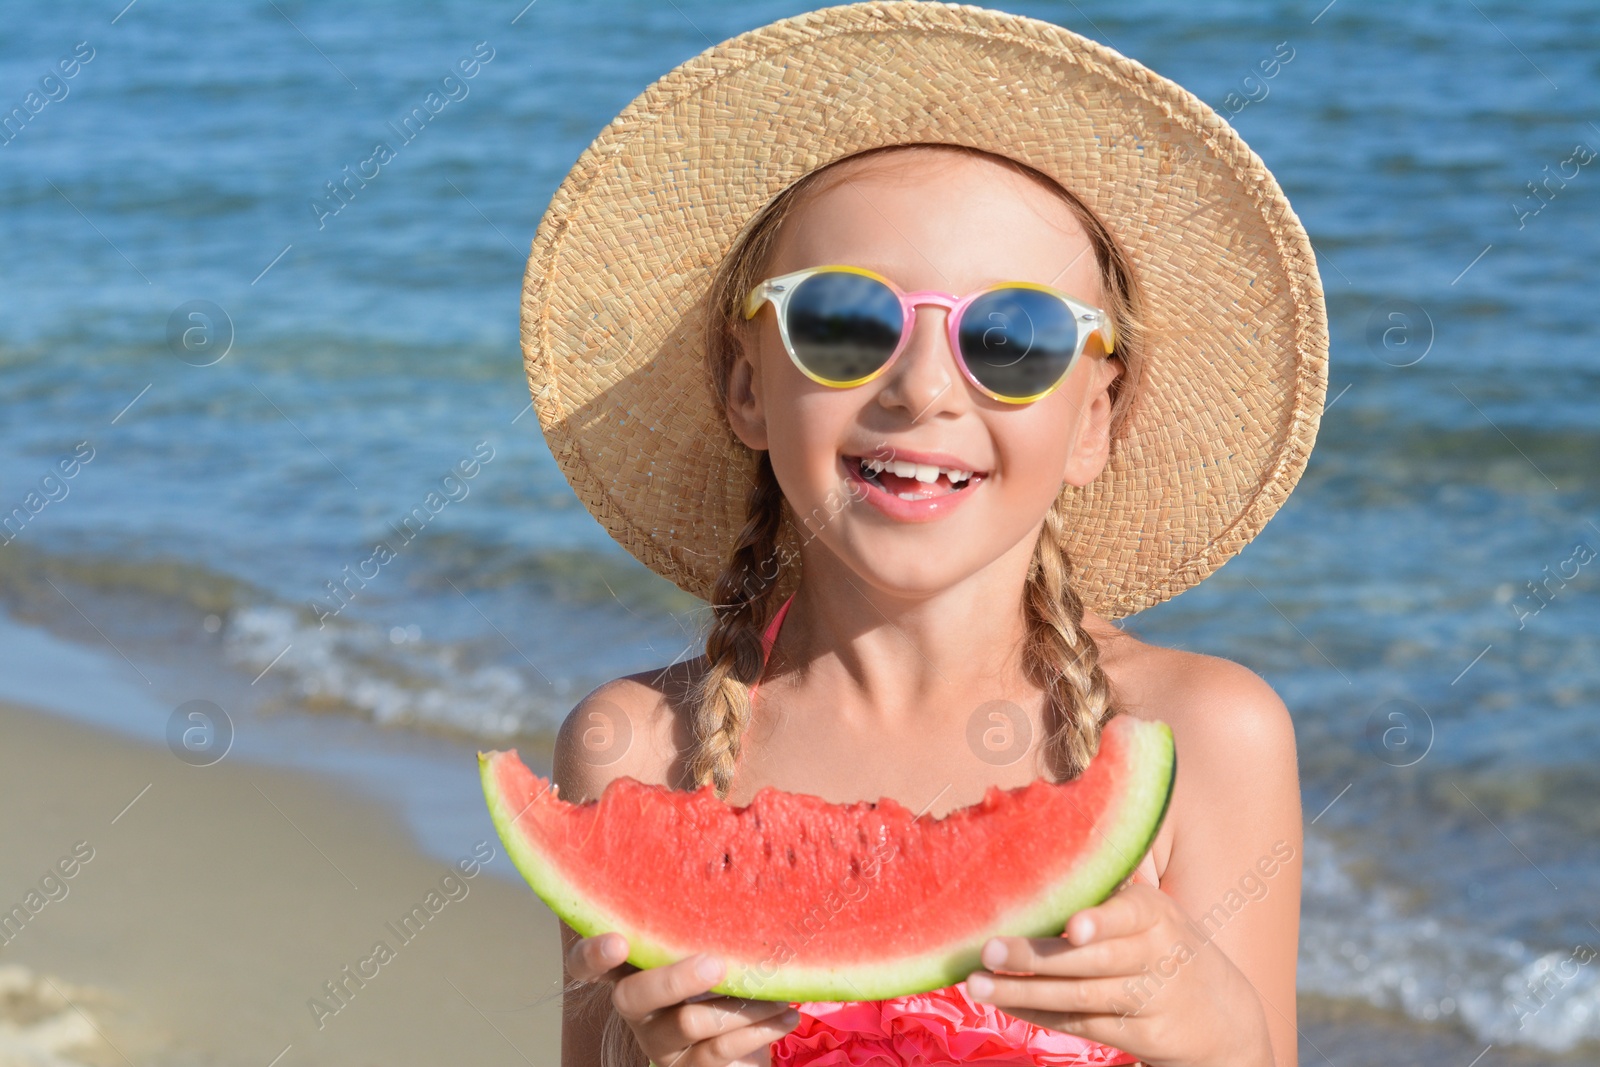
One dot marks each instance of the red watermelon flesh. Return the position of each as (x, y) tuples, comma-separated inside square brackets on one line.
[(811, 901)]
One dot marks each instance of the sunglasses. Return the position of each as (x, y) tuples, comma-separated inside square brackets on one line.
[(843, 326)]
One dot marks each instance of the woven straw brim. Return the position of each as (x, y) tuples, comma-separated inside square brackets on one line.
[(621, 266)]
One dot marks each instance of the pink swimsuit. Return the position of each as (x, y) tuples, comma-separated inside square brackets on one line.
[(934, 1029)]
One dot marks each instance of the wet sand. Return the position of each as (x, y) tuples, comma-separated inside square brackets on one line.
[(206, 908)]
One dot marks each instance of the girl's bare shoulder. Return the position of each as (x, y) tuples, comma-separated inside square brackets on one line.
[(1208, 701), (1234, 734), (634, 726), (1237, 766)]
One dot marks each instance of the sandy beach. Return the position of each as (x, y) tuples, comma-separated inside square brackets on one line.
[(207, 909)]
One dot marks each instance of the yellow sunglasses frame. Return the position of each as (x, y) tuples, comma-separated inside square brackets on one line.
[(777, 290)]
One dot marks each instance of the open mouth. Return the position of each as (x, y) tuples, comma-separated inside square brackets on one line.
[(913, 481)]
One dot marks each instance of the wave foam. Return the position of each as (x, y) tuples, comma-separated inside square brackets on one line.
[(410, 683), (1358, 943)]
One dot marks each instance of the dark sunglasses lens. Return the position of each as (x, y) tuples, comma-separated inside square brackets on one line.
[(1018, 342), (844, 326)]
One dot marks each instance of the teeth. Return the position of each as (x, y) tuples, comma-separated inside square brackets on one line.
[(922, 472)]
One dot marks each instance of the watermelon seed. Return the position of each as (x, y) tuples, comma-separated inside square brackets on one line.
[(727, 861), (790, 851)]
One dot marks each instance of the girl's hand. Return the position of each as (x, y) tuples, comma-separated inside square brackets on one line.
[(1133, 973), (673, 1016)]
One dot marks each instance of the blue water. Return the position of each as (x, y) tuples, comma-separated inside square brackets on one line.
[(374, 349)]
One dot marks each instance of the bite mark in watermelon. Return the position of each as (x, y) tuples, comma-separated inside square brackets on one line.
[(810, 901)]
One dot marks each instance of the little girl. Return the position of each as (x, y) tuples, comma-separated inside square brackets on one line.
[(930, 352)]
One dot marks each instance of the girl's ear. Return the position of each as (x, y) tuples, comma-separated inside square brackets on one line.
[(1093, 445), (746, 410)]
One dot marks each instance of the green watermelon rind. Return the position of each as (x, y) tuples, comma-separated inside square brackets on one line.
[(1152, 762)]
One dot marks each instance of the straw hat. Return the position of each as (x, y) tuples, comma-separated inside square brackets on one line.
[(615, 290)]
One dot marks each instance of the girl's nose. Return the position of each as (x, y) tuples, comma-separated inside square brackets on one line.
[(925, 380)]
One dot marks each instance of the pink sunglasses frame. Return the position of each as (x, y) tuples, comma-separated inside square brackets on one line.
[(777, 291)]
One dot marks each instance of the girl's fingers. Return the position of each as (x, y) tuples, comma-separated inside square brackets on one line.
[(1134, 911), (715, 1020), (1134, 908), (1104, 1029), (747, 1044), (648, 991), (1118, 996), (1057, 958), (597, 957)]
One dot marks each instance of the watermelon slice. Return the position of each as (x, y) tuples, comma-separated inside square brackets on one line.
[(810, 901)]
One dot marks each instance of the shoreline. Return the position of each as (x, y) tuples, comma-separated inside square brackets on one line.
[(211, 909)]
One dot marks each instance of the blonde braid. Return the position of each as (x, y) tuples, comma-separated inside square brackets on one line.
[(721, 698), (1061, 655)]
